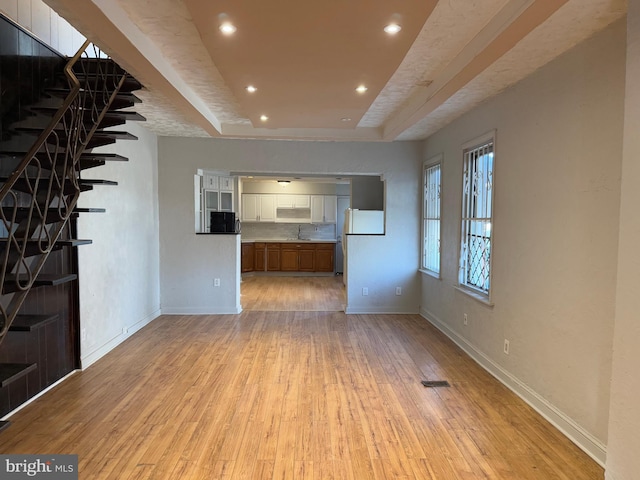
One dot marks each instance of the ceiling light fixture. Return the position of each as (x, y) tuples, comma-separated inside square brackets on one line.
[(392, 28), (345, 119), (228, 28), (264, 118), (361, 89), (251, 89)]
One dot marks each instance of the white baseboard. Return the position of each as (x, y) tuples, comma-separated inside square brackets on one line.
[(379, 310), (201, 311), (35, 397), (97, 354), (578, 435)]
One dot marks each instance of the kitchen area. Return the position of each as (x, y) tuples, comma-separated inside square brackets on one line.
[(256, 228), (288, 225), (292, 226)]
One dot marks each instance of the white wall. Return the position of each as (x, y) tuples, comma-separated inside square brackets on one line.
[(180, 248), (557, 187), (119, 272), (623, 461), (39, 19)]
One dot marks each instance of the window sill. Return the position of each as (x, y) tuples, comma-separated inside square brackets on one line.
[(478, 297), (430, 273)]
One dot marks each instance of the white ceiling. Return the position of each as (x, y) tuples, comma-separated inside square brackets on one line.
[(306, 58)]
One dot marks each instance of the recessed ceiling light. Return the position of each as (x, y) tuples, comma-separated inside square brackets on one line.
[(345, 119), (264, 118), (361, 89), (392, 28), (251, 88), (228, 28)]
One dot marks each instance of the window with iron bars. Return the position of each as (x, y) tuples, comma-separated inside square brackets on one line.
[(431, 217), (477, 216)]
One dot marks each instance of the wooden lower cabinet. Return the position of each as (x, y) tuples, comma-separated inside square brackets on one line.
[(298, 257), (259, 264), (288, 257), (273, 257), (307, 259), (325, 257), (247, 257)]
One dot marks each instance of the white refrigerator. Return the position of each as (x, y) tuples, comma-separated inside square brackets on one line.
[(363, 221)]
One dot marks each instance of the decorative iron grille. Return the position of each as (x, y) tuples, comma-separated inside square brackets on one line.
[(431, 219), (477, 217)]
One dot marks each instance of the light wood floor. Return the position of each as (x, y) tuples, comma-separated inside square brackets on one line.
[(292, 395), (305, 294)]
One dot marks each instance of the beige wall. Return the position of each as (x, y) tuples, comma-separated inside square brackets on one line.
[(557, 187), (623, 459), (119, 272)]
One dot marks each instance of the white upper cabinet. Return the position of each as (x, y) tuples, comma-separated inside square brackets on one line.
[(210, 182), (324, 208), (293, 201), (258, 207), (226, 184), (330, 208)]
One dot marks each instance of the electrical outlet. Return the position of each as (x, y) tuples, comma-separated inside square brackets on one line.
[(216, 282), (506, 346), (466, 320), (125, 330), (365, 291), (398, 290), (83, 334)]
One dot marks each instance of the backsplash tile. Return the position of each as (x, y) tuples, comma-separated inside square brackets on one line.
[(281, 231)]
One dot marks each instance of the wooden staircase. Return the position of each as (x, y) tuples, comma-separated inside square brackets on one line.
[(42, 157)]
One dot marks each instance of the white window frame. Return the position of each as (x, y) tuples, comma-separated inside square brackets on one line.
[(478, 189), (432, 215)]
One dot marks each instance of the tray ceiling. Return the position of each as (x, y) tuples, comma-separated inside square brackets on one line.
[(306, 59)]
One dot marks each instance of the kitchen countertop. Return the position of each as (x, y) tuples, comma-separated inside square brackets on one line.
[(288, 240)]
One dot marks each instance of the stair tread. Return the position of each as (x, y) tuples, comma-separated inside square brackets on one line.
[(22, 185), (43, 280), (119, 135), (128, 114), (63, 92), (10, 372), (28, 323), (89, 210), (94, 181), (115, 134), (72, 242), (53, 214), (113, 157), (85, 157), (86, 161)]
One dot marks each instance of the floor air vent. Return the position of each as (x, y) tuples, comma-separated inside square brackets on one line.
[(435, 383)]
